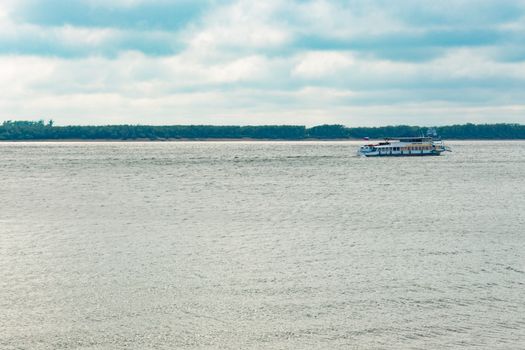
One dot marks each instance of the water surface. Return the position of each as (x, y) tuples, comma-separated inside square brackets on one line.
[(264, 245)]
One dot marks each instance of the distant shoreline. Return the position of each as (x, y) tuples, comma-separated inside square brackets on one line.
[(184, 140), (41, 131), (221, 140)]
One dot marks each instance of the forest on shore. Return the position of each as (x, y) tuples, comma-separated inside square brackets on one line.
[(40, 130)]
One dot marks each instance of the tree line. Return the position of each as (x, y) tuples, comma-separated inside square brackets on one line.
[(40, 130)]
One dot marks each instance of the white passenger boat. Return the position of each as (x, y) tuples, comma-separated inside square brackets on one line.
[(404, 146)]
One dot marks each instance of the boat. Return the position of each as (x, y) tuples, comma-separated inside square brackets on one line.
[(405, 146)]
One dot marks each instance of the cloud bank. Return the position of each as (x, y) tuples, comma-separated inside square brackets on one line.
[(308, 62)]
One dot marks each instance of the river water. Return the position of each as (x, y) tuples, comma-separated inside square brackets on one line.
[(260, 245)]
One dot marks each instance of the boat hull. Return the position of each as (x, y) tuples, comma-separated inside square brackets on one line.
[(400, 155)]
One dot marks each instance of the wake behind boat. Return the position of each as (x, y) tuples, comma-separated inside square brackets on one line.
[(404, 146)]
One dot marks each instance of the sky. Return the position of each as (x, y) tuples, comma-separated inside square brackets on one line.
[(308, 62)]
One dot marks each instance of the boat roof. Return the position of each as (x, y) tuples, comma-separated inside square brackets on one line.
[(409, 139)]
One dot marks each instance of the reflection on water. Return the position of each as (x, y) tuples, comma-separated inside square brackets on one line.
[(260, 245)]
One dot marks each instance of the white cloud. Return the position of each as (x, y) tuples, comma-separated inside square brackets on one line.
[(128, 3), (137, 88), (246, 24), (6, 23), (322, 64), (246, 68), (115, 3), (344, 19), (244, 62), (20, 73), (76, 36), (476, 64)]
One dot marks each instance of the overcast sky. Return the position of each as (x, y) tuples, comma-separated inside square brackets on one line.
[(356, 62)]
